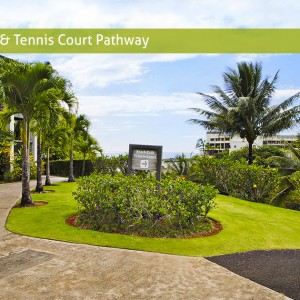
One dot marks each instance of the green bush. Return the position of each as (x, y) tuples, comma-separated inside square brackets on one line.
[(102, 165), (211, 170), (130, 204), (4, 158), (62, 167), (294, 179), (253, 183), (237, 178), (111, 165)]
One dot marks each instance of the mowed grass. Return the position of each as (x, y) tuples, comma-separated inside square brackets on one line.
[(246, 226)]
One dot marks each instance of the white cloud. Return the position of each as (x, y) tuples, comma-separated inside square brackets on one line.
[(281, 95), (131, 105), (152, 105), (150, 14), (94, 70)]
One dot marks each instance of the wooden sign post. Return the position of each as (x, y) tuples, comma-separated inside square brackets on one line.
[(145, 157)]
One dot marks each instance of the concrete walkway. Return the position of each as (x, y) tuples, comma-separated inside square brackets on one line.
[(32, 268)]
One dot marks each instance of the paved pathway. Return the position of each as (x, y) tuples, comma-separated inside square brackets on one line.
[(32, 268)]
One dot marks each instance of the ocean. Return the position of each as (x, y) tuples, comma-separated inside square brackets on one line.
[(165, 155)]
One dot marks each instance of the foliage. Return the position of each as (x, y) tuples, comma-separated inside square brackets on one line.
[(77, 126), (129, 204), (101, 165), (294, 179), (24, 89), (260, 154), (179, 165), (253, 183), (88, 147), (111, 164), (244, 108), (16, 173), (62, 167), (246, 226), (4, 158)]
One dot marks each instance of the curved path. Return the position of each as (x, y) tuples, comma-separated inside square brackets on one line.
[(32, 268)]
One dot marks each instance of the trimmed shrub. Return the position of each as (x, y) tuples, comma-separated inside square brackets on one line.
[(102, 165), (238, 179), (111, 165), (62, 167), (130, 204)]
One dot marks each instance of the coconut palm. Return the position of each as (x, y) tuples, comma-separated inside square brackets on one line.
[(244, 107), (22, 87)]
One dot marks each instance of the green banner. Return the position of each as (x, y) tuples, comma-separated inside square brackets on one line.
[(149, 40)]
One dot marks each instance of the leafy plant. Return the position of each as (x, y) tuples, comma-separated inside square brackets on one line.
[(111, 164), (132, 204), (237, 178), (179, 165)]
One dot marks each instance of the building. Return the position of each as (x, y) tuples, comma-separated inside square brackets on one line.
[(217, 142)]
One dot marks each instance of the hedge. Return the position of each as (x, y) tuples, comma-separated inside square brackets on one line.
[(102, 165), (62, 168)]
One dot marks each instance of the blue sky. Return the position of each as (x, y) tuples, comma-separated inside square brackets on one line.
[(141, 98)]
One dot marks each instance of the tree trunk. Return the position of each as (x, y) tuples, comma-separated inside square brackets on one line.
[(39, 184), (71, 175), (250, 153), (26, 198), (48, 181), (83, 166)]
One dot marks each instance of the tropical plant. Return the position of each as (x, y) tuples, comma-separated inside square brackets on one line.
[(111, 164), (237, 178), (245, 109), (77, 126), (133, 204), (47, 116), (288, 183), (54, 141), (22, 86), (6, 137), (179, 165), (88, 147)]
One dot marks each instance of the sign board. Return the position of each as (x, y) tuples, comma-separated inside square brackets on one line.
[(145, 157)]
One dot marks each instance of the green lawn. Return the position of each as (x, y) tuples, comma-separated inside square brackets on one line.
[(246, 226)]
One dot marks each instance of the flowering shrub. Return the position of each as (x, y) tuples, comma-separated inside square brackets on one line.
[(132, 204), (238, 179)]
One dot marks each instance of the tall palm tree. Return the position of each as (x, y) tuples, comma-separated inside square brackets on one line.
[(22, 86), (77, 126), (245, 109), (47, 116)]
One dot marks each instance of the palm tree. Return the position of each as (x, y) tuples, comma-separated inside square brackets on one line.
[(77, 126), (244, 108), (179, 165), (87, 145), (22, 87), (54, 137), (47, 115)]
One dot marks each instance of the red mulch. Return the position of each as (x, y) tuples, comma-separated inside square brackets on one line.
[(217, 227)]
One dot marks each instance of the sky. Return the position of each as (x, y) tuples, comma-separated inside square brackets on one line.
[(144, 98)]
